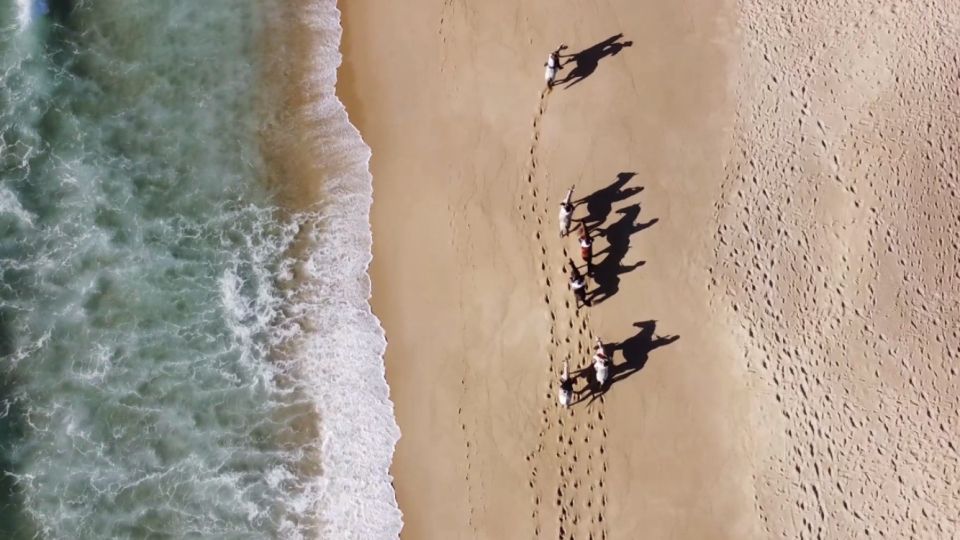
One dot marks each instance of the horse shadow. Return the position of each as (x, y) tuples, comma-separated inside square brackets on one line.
[(606, 273), (635, 350), (588, 59), (600, 202)]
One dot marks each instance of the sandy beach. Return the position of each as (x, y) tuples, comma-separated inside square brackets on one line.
[(772, 187)]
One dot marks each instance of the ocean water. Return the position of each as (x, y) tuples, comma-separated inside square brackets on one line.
[(180, 357)]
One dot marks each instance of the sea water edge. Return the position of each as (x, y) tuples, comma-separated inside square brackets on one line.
[(141, 307)]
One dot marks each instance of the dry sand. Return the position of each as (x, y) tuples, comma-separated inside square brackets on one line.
[(836, 255), (789, 224)]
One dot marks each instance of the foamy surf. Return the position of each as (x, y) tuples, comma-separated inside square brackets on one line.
[(342, 347), (28, 10), (24, 13), (162, 374)]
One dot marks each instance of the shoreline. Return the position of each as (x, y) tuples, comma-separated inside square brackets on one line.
[(778, 266), (328, 316), (474, 303)]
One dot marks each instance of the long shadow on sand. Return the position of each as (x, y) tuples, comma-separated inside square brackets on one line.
[(600, 202), (588, 59), (606, 273), (635, 350)]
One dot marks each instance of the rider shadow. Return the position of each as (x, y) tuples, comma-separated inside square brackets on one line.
[(600, 202), (606, 273), (588, 59)]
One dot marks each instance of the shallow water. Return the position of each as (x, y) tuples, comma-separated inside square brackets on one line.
[(157, 377)]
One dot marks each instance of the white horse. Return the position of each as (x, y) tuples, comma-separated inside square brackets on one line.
[(601, 365), (553, 65), (565, 394), (565, 215)]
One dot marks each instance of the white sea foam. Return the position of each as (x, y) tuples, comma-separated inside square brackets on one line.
[(343, 343), (9, 204), (148, 310), (24, 13)]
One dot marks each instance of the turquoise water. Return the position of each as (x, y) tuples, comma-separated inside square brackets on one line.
[(143, 392)]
